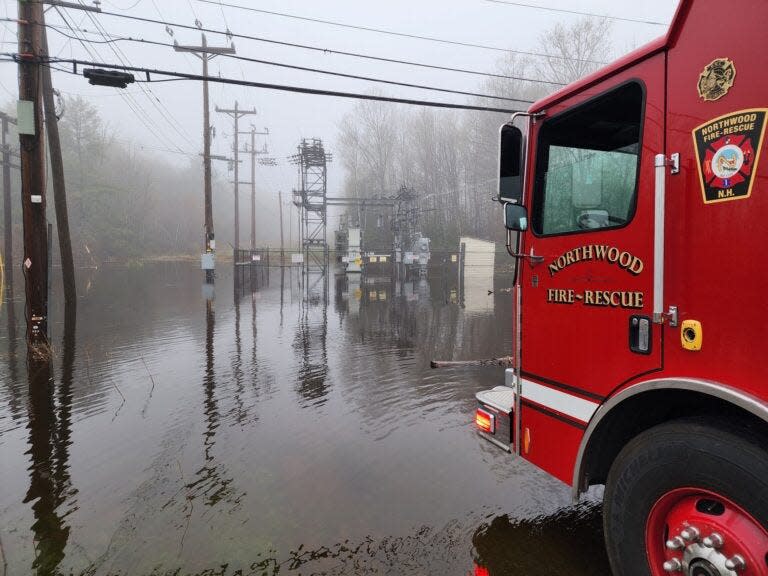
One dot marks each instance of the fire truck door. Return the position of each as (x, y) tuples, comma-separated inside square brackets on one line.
[(587, 322)]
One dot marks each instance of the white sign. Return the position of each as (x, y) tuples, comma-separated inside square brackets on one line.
[(297, 258)]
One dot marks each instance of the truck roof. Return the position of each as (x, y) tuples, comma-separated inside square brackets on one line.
[(654, 47)]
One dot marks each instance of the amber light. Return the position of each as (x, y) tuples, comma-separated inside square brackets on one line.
[(485, 421)]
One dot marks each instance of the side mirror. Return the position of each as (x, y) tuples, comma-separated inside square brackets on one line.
[(515, 217), (511, 164)]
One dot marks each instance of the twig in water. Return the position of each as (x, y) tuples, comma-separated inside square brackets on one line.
[(118, 389), (121, 395), (189, 499), (151, 390)]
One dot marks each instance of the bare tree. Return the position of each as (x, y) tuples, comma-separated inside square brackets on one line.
[(450, 158), (576, 50)]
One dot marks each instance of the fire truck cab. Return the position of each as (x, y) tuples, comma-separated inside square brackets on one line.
[(635, 202)]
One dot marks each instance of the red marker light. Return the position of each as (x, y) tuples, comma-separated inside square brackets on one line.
[(485, 421)]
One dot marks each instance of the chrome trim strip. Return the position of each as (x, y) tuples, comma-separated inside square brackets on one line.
[(559, 401), (660, 165), (493, 440), (499, 407), (729, 394)]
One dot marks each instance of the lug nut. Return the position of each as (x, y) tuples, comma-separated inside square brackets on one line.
[(676, 543), (714, 540), (673, 565), (736, 562), (691, 534)]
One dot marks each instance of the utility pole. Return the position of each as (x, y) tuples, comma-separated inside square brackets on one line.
[(282, 248), (254, 152), (7, 220), (32, 150), (206, 53), (57, 175), (236, 114)]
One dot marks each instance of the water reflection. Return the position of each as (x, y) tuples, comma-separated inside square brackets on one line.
[(240, 411), (15, 397), (311, 343), (568, 542), (49, 440), (211, 482), (322, 445)]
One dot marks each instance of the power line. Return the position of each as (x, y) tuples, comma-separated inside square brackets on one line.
[(330, 51), (113, 39), (280, 87), (393, 33), (127, 7), (132, 103), (127, 98), (157, 104), (577, 12)]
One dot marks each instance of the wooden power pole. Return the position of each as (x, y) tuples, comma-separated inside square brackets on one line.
[(32, 150), (282, 246), (7, 214), (59, 187), (236, 114), (206, 53), (254, 153)]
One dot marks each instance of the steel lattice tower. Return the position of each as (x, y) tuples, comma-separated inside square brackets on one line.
[(311, 198)]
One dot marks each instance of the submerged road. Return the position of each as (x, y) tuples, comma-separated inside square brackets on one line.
[(277, 428)]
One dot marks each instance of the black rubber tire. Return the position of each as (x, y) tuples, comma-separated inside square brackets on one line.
[(701, 453)]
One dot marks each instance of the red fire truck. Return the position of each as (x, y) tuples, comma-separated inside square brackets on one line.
[(636, 204)]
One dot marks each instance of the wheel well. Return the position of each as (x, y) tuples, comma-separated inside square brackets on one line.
[(645, 410)]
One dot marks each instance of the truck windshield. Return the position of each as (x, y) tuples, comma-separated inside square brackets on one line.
[(587, 164)]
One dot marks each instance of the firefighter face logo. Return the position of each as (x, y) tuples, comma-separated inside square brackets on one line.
[(716, 79), (727, 151), (727, 161)]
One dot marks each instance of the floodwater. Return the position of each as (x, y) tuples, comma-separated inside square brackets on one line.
[(285, 426)]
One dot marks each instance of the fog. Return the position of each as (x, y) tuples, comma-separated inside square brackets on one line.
[(132, 157)]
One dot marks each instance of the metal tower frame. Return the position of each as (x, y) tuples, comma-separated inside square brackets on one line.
[(405, 220), (311, 198)]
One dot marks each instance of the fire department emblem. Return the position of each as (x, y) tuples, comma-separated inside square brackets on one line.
[(727, 151), (716, 79)]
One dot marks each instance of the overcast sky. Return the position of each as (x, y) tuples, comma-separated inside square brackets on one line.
[(177, 119)]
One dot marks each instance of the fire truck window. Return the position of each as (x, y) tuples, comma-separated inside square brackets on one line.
[(587, 165)]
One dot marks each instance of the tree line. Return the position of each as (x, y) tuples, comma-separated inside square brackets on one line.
[(130, 202), (449, 158)]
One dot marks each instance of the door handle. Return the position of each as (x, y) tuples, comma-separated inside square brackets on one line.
[(640, 331)]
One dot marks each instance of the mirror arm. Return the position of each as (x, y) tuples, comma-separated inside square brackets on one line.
[(510, 248), (532, 258)]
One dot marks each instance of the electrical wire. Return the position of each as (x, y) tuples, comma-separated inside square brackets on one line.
[(577, 12), (393, 33), (127, 98), (5, 30), (156, 103), (127, 7), (267, 86), (165, 114), (327, 50), (113, 39)]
